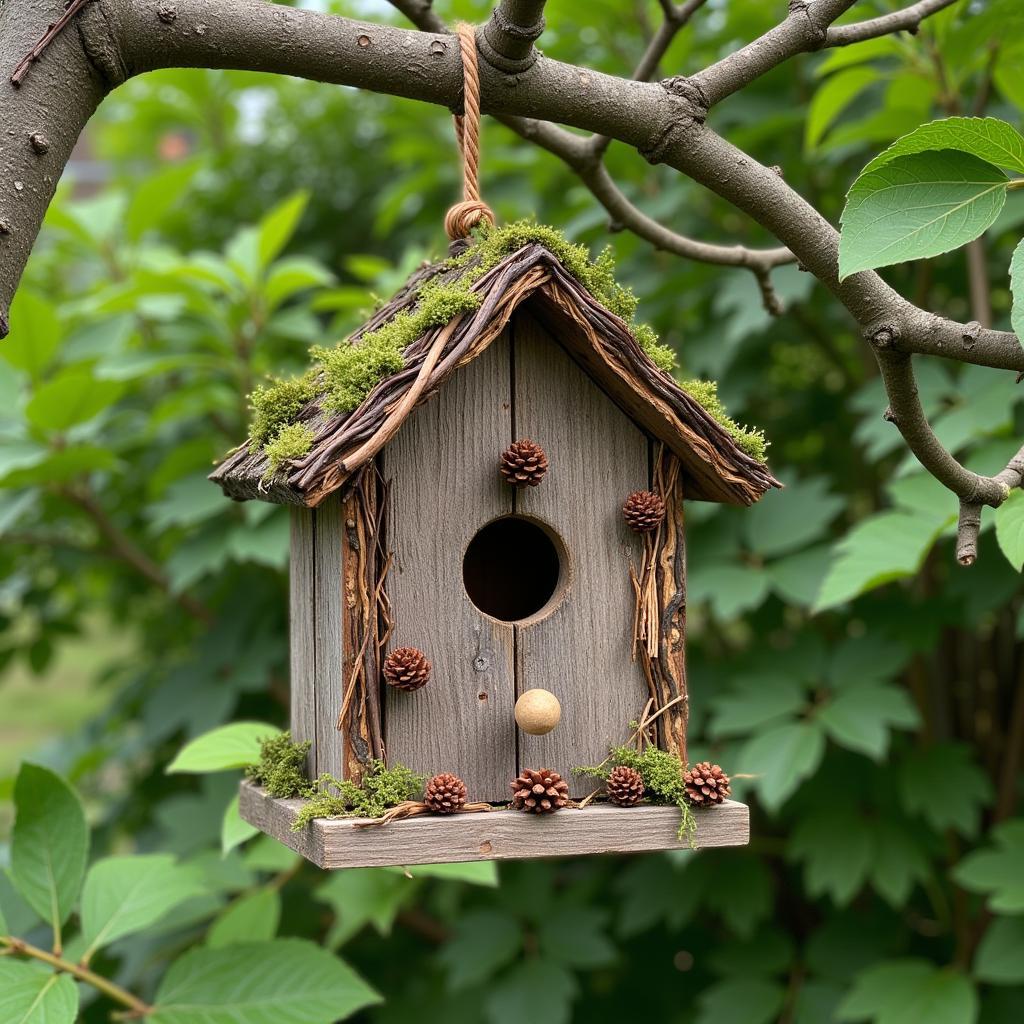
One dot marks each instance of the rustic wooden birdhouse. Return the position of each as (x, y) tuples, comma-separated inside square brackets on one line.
[(487, 557)]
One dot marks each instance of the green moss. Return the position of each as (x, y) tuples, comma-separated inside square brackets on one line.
[(381, 788), (663, 780), (282, 767), (749, 440), (343, 376), (291, 442), (275, 406)]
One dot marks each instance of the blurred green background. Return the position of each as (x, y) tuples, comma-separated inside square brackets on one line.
[(868, 690)]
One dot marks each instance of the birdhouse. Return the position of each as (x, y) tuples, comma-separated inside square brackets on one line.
[(488, 571)]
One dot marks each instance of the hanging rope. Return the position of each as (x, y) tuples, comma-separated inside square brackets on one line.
[(463, 217)]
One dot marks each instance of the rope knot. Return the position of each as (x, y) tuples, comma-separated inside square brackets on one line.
[(463, 217)]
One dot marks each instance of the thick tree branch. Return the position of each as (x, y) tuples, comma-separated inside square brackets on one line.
[(907, 20)]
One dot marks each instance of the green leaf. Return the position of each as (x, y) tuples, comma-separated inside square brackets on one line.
[(234, 829), (916, 206), (730, 589), (253, 917), (836, 852), (35, 333), (884, 547), (31, 994), (860, 717), (897, 862), (1017, 289), (998, 871), (760, 700), (288, 981), (905, 991), (1000, 956), (290, 276), (362, 896), (155, 196), (481, 872), (781, 758), (49, 844), (513, 999), (740, 1000), (277, 227), (125, 895), (791, 519), (230, 746), (1009, 519), (575, 937), (944, 785), (483, 943), (832, 98), (986, 138), (73, 396)]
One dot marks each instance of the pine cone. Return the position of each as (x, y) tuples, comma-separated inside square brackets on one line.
[(643, 511), (445, 793), (625, 786), (540, 791), (706, 784), (524, 463), (406, 668)]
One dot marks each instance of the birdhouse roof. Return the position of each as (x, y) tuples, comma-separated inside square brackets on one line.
[(312, 434)]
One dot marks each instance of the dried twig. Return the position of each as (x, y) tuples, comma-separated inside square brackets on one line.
[(54, 29)]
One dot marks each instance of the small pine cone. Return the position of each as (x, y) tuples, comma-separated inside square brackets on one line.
[(539, 791), (524, 463), (706, 784), (444, 793), (643, 511), (406, 668), (625, 786)]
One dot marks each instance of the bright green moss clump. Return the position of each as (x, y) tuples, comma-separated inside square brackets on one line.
[(292, 442), (348, 373), (751, 441), (276, 405), (381, 788), (282, 767), (663, 780)]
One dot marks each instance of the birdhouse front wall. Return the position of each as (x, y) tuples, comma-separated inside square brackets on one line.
[(444, 487)]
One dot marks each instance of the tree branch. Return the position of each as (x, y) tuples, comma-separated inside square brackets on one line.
[(907, 20), (101, 984), (122, 547)]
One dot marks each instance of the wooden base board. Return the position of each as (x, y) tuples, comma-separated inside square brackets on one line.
[(498, 835)]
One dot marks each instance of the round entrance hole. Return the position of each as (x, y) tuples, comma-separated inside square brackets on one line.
[(514, 568)]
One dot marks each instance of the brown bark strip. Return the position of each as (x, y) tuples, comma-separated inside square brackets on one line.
[(660, 619), (364, 605)]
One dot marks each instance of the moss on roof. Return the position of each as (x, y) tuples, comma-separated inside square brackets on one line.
[(343, 375)]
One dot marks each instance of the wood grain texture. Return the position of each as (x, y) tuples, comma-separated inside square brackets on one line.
[(581, 650), (328, 635), (302, 630), (444, 481), (499, 835)]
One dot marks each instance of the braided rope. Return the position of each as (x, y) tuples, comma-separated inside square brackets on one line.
[(463, 217)]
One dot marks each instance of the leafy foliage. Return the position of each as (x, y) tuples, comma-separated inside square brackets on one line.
[(167, 284)]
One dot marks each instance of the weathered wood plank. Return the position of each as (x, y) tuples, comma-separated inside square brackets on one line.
[(581, 651), (443, 472), (328, 635), (302, 628), (499, 835)]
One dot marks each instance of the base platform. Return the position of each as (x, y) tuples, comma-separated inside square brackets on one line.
[(498, 835)]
